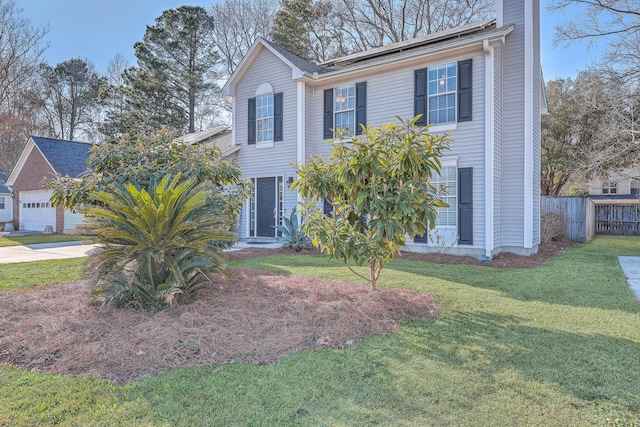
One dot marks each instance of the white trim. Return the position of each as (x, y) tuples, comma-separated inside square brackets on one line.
[(449, 161), (22, 160), (443, 128), (499, 13), (528, 124), (489, 148), (264, 89), (301, 128)]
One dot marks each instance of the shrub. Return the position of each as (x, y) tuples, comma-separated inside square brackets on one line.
[(553, 227)]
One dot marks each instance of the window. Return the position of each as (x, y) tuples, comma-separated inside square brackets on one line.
[(447, 217), (264, 117), (2, 203), (609, 188), (344, 108), (442, 93)]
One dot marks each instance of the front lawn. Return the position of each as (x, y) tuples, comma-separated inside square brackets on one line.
[(32, 239), (555, 345)]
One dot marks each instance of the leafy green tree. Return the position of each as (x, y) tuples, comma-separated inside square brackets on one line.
[(156, 243), (142, 159), (379, 187)]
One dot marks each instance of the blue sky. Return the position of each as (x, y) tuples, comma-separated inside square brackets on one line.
[(97, 30)]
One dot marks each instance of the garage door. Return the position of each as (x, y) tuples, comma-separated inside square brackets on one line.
[(36, 211)]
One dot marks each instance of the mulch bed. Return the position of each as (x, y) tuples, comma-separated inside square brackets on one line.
[(503, 260), (253, 317)]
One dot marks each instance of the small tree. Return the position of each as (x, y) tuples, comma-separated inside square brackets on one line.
[(379, 187)]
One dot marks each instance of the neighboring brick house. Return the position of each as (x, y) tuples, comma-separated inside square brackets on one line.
[(482, 82), (44, 158)]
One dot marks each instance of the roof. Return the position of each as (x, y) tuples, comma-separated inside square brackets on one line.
[(615, 199), (3, 179), (219, 137), (452, 34), (68, 158), (303, 64)]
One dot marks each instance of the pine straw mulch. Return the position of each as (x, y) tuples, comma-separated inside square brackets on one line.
[(253, 317), (503, 260)]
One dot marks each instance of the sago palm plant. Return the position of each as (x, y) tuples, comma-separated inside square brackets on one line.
[(157, 244)]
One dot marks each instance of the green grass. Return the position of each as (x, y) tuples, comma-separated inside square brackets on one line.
[(32, 239), (22, 274), (556, 345)]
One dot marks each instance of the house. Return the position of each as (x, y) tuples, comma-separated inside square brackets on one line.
[(481, 82), (44, 158), (614, 184), (6, 202)]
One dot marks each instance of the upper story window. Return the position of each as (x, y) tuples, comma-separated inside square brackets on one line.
[(2, 203), (609, 188), (442, 93), (344, 108), (265, 116)]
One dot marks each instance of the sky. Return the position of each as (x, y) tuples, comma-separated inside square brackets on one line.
[(97, 30)]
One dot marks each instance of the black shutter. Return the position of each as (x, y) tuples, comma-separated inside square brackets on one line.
[(361, 106), (420, 96), (465, 206), (252, 121), (327, 207), (277, 116), (328, 113), (423, 238), (464, 90)]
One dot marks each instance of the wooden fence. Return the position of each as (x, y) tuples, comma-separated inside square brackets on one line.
[(618, 219), (579, 212)]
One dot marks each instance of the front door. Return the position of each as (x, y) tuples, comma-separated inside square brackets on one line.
[(265, 207)]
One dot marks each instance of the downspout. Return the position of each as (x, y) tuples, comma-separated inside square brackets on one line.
[(489, 148)]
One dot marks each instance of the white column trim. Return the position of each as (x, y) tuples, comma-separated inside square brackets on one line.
[(301, 127), (489, 147), (528, 124)]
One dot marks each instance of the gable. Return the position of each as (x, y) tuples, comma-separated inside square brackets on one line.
[(31, 169), (259, 46)]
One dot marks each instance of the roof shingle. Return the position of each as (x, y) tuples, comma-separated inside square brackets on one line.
[(68, 158)]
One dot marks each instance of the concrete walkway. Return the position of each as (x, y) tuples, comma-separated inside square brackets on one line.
[(631, 268), (44, 251)]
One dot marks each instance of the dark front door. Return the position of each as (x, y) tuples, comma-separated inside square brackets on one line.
[(265, 207)]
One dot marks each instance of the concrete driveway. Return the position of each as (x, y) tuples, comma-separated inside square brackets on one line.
[(44, 251)]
